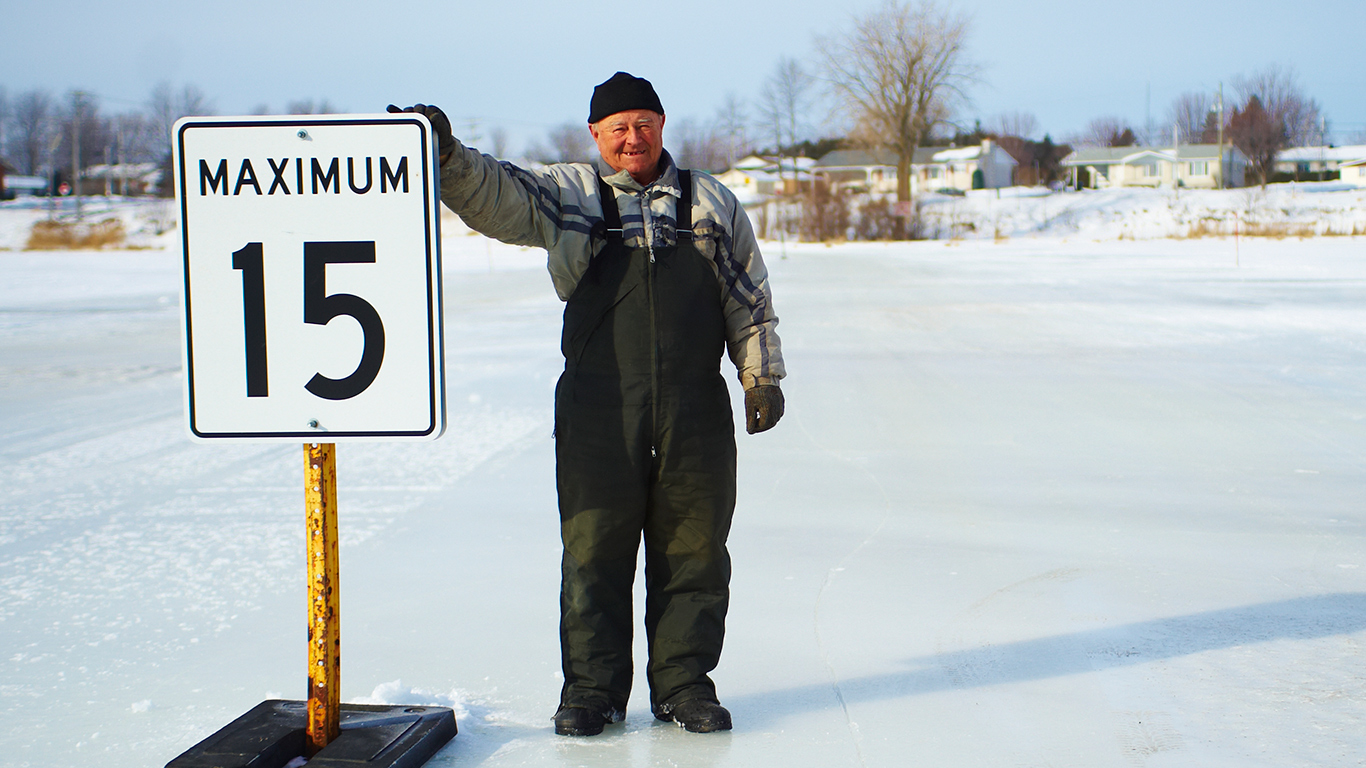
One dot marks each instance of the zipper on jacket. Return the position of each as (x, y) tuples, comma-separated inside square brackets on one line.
[(654, 353), (648, 224)]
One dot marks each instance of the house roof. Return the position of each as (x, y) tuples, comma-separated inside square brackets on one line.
[(750, 162), (757, 175), (124, 171), (1311, 154), (958, 153), (761, 163), (1121, 155), (864, 158)]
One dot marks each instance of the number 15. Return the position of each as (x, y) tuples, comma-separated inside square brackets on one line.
[(319, 309)]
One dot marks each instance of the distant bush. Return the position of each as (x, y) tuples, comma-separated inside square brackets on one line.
[(875, 220), (1281, 177), (60, 235), (825, 215)]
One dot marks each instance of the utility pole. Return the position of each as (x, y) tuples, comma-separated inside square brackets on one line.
[(123, 172), (1148, 137), (76, 98), (1323, 130), (1222, 167), (1176, 160), (54, 140)]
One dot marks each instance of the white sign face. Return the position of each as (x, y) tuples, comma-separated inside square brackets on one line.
[(312, 289)]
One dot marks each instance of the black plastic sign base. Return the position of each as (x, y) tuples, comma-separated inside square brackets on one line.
[(273, 732)]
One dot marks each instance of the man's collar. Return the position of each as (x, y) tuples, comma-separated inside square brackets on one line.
[(667, 181)]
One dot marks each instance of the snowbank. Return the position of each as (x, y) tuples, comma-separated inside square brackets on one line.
[(1298, 210)]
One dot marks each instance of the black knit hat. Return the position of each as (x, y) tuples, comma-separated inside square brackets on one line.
[(620, 93)]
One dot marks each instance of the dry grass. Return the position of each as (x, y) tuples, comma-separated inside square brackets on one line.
[(1208, 227), (59, 235)]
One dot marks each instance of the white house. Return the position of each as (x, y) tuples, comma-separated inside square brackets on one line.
[(1305, 162), (127, 178), (750, 185), (1189, 165), (985, 166), (1353, 172), (755, 177)]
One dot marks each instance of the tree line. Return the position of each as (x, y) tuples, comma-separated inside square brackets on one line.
[(42, 134)]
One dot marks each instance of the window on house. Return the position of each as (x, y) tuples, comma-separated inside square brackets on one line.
[(932, 173), (1150, 170), (1198, 168)]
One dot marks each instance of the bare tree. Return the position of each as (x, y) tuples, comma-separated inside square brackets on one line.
[(82, 116), (137, 138), (499, 138), (310, 107), (899, 72), (732, 128), (697, 146), (1107, 132), (1015, 123), (32, 129), (1259, 135), (1190, 112), (784, 103), (4, 122), (570, 143), (167, 106), (1278, 90)]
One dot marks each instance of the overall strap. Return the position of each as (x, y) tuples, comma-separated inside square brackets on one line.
[(683, 216), (610, 226)]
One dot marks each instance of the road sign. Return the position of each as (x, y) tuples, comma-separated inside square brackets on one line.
[(312, 283)]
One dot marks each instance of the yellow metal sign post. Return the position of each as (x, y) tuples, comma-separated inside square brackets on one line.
[(324, 619), (323, 731)]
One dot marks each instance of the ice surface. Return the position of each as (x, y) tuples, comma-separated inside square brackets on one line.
[(1043, 501)]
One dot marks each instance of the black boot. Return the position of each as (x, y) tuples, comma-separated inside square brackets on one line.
[(582, 720), (697, 715)]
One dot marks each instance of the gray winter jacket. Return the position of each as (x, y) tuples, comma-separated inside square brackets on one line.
[(556, 207)]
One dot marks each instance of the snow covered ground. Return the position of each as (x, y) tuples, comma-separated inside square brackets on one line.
[(1047, 501), (1308, 208)]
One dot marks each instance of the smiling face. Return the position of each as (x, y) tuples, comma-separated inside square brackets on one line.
[(631, 141)]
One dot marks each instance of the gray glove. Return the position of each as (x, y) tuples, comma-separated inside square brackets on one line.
[(763, 407), (445, 139)]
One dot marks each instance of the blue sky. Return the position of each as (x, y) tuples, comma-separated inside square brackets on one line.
[(529, 66)]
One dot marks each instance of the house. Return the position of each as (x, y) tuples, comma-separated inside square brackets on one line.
[(932, 168), (1353, 172), (1189, 165), (755, 177), (122, 179), (750, 185), (12, 185), (1306, 162)]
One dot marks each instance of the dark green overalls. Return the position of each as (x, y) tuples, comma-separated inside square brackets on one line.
[(645, 445)]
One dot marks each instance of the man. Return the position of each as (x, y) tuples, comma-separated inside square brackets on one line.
[(660, 273)]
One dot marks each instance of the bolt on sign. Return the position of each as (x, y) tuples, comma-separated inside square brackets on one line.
[(312, 293)]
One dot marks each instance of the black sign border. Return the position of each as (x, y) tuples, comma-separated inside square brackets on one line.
[(435, 341)]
